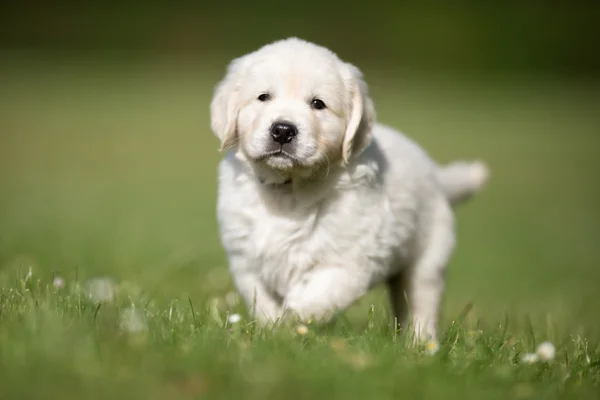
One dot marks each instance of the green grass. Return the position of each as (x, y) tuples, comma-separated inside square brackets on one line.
[(110, 171)]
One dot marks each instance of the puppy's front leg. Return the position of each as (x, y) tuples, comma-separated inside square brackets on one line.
[(324, 292), (261, 303)]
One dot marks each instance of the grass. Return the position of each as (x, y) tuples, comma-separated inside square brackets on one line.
[(110, 171)]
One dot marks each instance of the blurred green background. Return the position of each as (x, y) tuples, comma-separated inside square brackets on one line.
[(108, 166)]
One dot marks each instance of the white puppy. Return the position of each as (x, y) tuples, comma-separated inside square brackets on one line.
[(317, 203)]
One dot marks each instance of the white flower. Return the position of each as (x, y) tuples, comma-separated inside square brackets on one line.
[(100, 289), (546, 351), (133, 320), (234, 318), (432, 347), (529, 358), (302, 330), (58, 282)]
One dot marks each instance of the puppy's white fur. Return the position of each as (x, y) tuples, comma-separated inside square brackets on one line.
[(351, 205)]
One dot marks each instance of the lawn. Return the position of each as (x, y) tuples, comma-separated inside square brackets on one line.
[(113, 283)]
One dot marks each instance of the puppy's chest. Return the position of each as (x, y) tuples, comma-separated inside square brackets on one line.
[(285, 248)]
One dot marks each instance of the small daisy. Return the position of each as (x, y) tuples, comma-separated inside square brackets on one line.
[(133, 320), (234, 318), (546, 351), (529, 358), (58, 282), (302, 330), (432, 347)]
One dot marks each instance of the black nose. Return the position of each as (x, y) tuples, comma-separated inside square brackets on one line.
[(283, 132)]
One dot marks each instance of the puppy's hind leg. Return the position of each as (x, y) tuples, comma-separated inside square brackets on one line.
[(398, 292), (426, 280)]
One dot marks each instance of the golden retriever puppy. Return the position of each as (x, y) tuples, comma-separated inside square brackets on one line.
[(318, 203)]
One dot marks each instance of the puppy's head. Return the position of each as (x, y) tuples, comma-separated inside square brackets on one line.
[(292, 107)]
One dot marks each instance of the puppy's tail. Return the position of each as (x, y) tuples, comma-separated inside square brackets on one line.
[(460, 180)]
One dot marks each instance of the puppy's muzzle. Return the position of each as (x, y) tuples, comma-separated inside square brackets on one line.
[(283, 132)]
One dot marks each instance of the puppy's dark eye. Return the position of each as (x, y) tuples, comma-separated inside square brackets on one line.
[(318, 104), (264, 97)]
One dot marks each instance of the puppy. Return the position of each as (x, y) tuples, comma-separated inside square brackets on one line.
[(317, 203)]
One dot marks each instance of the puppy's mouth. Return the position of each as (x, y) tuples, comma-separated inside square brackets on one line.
[(278, 154)]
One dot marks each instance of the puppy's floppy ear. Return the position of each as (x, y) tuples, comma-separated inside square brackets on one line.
[(224, 106), (361, 117)]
